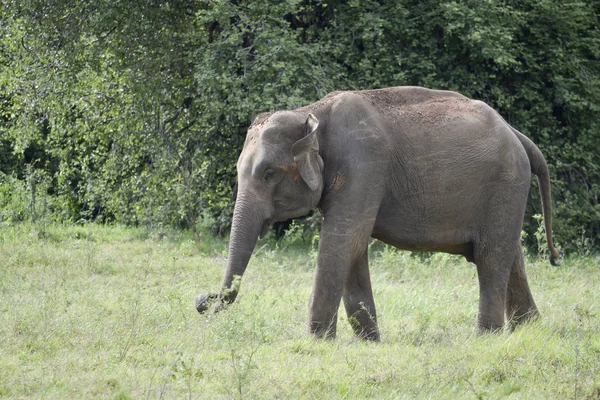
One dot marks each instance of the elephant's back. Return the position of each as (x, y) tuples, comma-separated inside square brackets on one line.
[(405, 96), (450, 158)]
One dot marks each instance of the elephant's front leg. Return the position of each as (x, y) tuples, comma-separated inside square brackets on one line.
[(340, 249), (358, 299)]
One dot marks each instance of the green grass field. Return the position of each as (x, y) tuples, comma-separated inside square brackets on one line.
[(99, 312)]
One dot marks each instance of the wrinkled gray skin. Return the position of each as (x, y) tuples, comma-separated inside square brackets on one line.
[(420, 169)]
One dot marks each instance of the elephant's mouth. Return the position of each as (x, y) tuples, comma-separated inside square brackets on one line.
[(265, 228)]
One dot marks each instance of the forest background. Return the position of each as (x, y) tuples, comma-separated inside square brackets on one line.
[(134, 112)]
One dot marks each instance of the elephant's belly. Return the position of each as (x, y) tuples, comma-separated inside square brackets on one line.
[(419, 240)]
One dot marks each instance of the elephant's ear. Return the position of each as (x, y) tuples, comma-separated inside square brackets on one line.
[(306, 155)]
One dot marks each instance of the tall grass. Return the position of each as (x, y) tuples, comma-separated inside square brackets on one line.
[(99, 312)]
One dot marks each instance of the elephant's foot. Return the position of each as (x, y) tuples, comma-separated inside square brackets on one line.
[(322, 331), (490, 323), (520, 318), (485, 329), (372, 335), (364, 328)]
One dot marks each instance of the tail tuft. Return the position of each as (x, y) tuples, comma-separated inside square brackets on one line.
[(554, 258)]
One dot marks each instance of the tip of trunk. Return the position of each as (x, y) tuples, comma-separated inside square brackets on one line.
[(204, 302), (212, 302)]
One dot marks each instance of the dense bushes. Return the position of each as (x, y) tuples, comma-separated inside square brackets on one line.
[(135, 111)]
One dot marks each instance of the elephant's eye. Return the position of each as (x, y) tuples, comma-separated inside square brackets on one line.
[(272, 176), (269, 174)]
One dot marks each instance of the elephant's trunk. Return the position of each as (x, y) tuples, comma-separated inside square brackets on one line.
[(248, 220)]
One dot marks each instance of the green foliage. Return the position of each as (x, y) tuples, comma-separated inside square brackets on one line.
[(13, 199), (135, 112)]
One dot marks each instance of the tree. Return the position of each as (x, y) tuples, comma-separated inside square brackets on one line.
[(136, 111)]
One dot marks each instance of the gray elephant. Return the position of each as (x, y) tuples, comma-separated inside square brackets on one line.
[(420, 169)]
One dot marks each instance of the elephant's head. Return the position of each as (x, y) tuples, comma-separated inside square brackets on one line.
[(280, 176)]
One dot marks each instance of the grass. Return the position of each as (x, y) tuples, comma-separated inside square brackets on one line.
[(100, 312)]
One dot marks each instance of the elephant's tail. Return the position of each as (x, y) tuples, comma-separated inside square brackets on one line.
[(539, 167)]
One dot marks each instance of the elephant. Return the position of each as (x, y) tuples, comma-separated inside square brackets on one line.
[(420, 169)]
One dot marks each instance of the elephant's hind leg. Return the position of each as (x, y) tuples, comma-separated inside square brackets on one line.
[(520, 305), (493, 270), (358, 300)]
